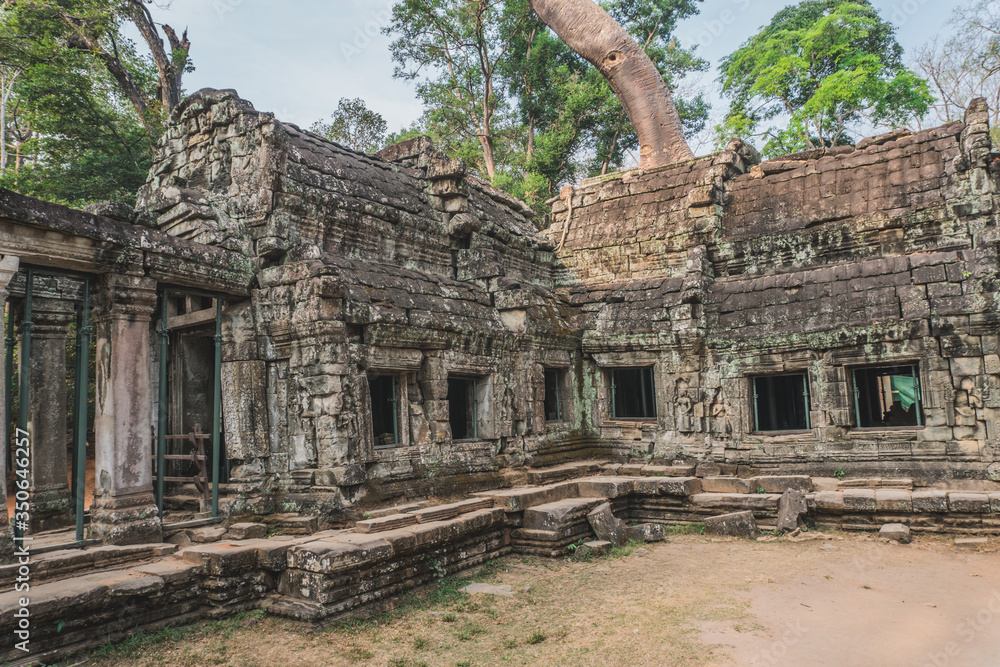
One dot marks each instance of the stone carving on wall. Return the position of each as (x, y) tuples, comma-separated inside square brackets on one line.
[(721, 422), (684, 408)]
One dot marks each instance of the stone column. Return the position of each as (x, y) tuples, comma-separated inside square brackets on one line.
[(124, 509), (51, 506), (8, 267)]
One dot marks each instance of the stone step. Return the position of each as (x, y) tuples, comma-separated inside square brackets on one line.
[(876, 483), (564, 471), (451, 510), (383, 523), (521, 498), (396, 509), (57, 565), (644, 470)]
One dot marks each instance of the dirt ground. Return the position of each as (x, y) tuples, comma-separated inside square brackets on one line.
[(695, 600)]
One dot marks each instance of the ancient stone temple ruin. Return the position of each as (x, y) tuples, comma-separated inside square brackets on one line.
[(291, 332)]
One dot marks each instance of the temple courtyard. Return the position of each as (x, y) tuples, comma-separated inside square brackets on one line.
[(832, 598)]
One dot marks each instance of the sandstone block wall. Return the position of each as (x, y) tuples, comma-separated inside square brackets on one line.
[(719, 270), (400, 265), (712, 272)]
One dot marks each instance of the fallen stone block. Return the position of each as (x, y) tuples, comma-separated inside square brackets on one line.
[(737, 524), (559, 515), (791, 507), (646, 532), (971, 542), (895, 532), (606, 526), (206, 534), (246, 531), (598, 547)]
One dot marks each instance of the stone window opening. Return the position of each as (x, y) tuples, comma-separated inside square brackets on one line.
[(463, 407), (888, 397), (781, 403), (385, 402), (633, 393), (556, 394)]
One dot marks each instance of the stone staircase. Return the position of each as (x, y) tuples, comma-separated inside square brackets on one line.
[(81, 598)]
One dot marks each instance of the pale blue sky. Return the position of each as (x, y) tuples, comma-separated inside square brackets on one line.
[(297, 58)]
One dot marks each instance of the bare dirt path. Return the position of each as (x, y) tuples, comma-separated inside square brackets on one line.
[(693, 601)]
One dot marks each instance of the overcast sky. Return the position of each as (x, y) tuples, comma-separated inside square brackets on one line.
[(297, 58)]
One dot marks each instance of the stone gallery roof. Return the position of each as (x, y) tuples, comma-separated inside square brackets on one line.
[(412, 239)]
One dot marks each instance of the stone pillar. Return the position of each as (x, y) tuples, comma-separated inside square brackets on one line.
[(51, 506), (124, 509), (8, 267)]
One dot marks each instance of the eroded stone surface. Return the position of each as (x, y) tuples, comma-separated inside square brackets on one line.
[(737, 524)]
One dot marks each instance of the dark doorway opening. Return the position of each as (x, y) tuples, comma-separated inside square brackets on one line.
[(384, 390), (462, 408), (633, 393), (554, 394), (781, 402)]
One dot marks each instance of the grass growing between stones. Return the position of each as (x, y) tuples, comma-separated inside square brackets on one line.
[(619, 609)]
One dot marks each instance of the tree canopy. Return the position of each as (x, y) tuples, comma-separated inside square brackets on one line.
[(502, 92), (817, 71), (354, 125), (82, 104)]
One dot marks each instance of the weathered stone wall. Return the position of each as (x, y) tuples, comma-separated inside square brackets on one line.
[(401, 264), (712, 271), (718, 270)]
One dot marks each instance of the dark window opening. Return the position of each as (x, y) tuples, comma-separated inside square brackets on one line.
[(781, 403), (553, 395), (633, 393), (887, 396), (385, 415), (462, 408)]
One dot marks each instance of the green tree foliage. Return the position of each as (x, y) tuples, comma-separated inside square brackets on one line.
[(354, 125), (820, 68), (87, 105), (503, 93)]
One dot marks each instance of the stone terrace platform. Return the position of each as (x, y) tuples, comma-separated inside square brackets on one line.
[(82, 598)]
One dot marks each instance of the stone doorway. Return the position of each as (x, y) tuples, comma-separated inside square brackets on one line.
[(191, 374)]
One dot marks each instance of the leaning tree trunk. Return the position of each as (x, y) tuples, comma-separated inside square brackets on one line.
[(591, 32)]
